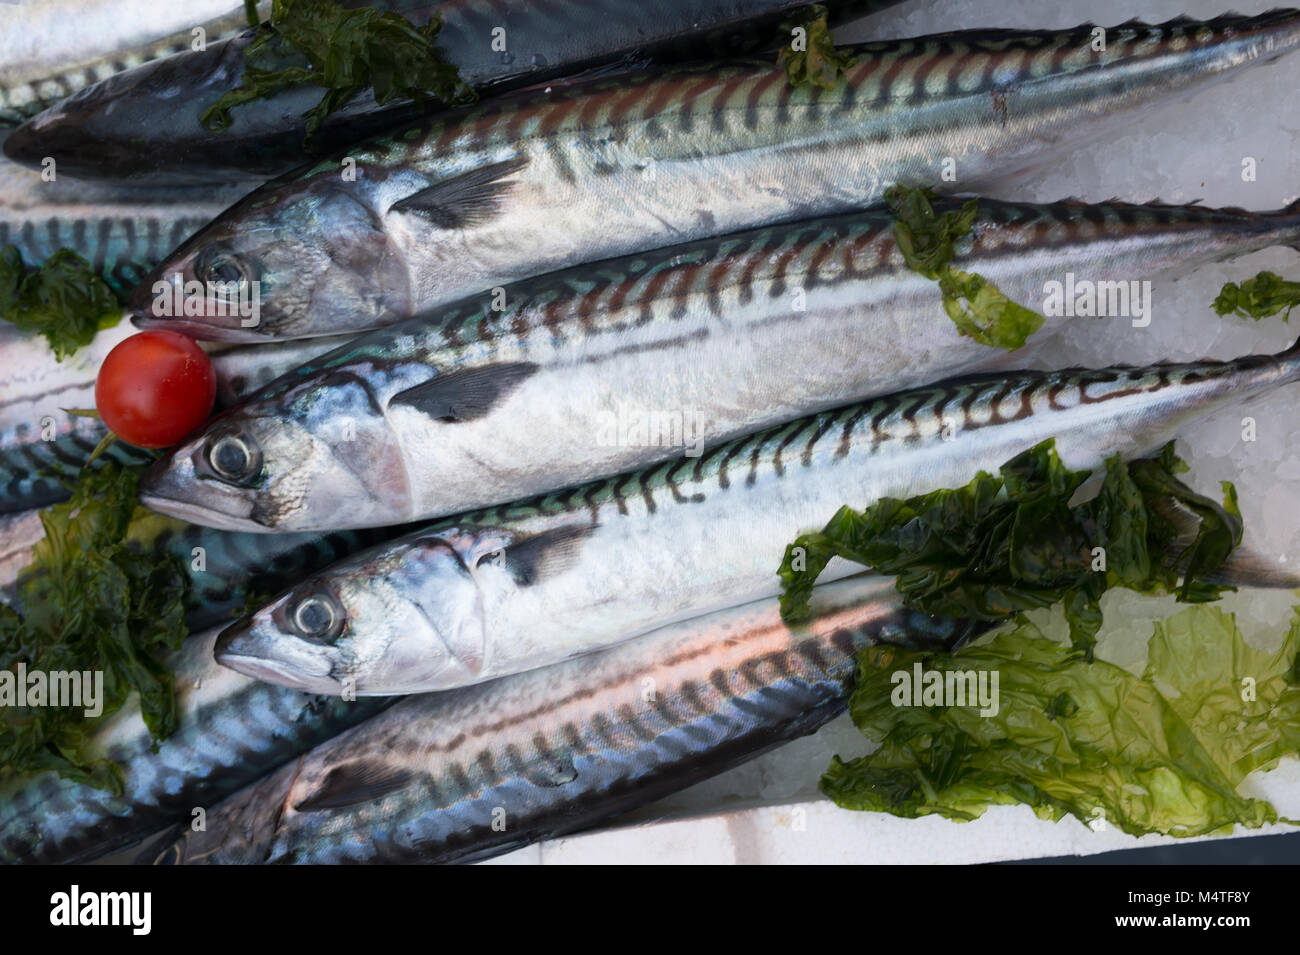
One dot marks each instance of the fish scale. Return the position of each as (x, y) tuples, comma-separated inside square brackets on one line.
[(35, 470), (492, 592), (561, 748), (887, 72), (123, 233), (571, 352), (539, 181)]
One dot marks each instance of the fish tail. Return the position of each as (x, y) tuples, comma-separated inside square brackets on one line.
[(1290, 360), (1266, 372), (1244, 567), (1249, 568), (1288, 220)]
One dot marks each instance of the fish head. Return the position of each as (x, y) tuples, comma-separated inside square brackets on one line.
[(116, 127), (405, 617), (297, 259), (319, 457), (147, 124)]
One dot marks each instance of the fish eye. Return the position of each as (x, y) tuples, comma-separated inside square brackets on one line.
[(317, 616), (221, 267), (234, 458)]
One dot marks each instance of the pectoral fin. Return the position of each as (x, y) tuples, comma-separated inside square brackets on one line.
[(463, 200), (545, 555), (469, 394), (354, 783)]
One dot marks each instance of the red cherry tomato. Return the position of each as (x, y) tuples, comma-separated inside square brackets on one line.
[(154, 388)]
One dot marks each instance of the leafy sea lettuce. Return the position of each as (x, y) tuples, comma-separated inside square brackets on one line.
[(1264, 295), (818, 63), (1005, 544), (1164, 752), (343, 51), (976, 306), (64, 300), (90, 602)]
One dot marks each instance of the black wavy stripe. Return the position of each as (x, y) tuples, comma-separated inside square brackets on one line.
[(38, 473)]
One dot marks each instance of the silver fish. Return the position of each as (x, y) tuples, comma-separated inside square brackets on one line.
[(231, 731), (544, 180), (494, 592), (51, 49), (609, 367), (563, 747)]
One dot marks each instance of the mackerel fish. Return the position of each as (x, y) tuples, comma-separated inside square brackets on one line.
[(563, 747), (543, 180)]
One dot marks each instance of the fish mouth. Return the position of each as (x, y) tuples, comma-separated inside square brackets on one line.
[(154, 305), (240, 648), (195, 328), (199, 514), (272, 671)]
